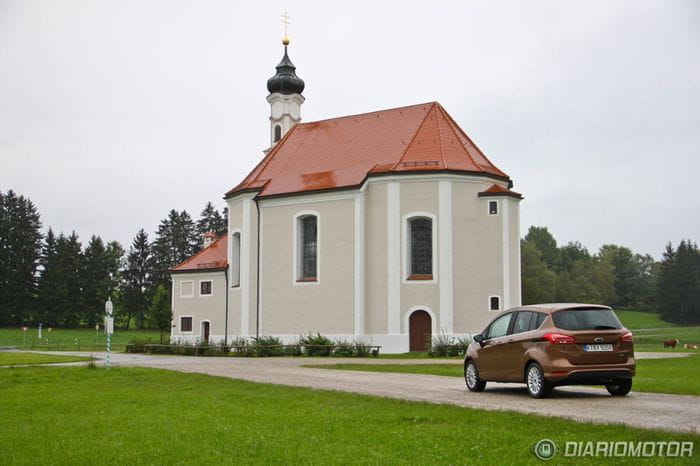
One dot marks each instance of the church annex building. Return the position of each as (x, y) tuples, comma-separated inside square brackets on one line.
[(386, 227)]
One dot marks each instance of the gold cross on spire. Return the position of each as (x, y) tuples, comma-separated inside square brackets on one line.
[(285, 20)]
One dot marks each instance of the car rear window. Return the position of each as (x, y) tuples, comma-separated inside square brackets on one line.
[(586, 319)]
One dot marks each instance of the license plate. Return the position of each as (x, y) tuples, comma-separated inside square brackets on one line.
[(593, 348)]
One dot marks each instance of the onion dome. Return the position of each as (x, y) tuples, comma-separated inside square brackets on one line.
[(285, 81)]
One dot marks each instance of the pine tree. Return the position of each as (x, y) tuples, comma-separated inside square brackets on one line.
[(68, 293), (211, 220), (48, 279), (20, 248), (176, 240), (679, 284), (95, 281), (160, 314), (138, 287)]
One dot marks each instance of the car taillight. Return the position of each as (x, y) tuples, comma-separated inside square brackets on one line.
[(559, 338), (627, 337)]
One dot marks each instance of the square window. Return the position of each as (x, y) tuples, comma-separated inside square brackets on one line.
[(185, 324), (186, 289), (493, 207), (205, 288), (495, 303)]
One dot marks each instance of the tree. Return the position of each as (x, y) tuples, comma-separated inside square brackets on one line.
[(137, 280), (538, 282), (67, 277), (572, 252), (679, 284), (48, 279), (211, 220), (96, 283), (176, 240), (20, 249), (160, 314), (546, 244)]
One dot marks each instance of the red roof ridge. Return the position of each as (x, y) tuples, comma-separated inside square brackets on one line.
[(408, 146), (198, 253), (456, 127), (437, 125), (369, 113)]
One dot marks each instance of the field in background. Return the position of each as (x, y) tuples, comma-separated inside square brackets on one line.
[(65, 338), (637, 320), (76, 415), (680, 376)]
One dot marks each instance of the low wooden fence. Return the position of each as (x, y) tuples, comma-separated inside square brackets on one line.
[(257, 350)]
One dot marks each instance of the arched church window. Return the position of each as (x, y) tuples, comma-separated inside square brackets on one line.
[(278, 133), (420, 236), (307, 248), (236, 259)]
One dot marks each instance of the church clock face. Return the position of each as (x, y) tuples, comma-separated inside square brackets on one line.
[(294, 110), (277, 109)]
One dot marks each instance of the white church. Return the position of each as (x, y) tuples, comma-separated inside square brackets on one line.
[(388, 227)]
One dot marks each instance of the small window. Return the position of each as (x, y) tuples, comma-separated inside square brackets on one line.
[(278, 133), (186, 289), (420, 236), (235, 259), (205, 287), (494, 303), (307, 260), (537, 319), (499, 327), (522, 322), (493, 207), (185, 324)]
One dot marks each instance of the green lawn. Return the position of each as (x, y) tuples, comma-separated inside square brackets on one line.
[(634, 320), (66, 338), (77, 415), (15, 359), (679, 375)]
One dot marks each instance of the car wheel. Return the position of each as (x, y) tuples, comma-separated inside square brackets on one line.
[(537, 385), (471, 377), (620, 387)]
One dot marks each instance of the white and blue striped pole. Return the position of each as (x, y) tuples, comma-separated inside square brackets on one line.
[(109, 327)]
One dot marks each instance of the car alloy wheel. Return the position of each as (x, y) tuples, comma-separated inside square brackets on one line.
[(537, 386), (471, 376)]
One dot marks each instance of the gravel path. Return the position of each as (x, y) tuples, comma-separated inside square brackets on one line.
[(647, 410)]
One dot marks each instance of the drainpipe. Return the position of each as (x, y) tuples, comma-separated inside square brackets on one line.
[(226, 307), (257, 282)]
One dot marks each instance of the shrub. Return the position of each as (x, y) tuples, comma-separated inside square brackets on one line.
[(362, 350), (316, 345), (268, 346), (344, 348), (91, 364), (138, 345)]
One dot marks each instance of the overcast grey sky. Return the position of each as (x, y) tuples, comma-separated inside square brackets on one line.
[(114, 112)]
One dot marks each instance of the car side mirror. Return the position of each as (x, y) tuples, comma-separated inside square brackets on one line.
[(479, 338)]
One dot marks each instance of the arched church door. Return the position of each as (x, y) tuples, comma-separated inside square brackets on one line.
[(419, 331)]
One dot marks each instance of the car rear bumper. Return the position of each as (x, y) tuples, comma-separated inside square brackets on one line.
[(597, 377)]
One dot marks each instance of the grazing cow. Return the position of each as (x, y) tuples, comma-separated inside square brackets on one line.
[(671, 343), (689, 346)]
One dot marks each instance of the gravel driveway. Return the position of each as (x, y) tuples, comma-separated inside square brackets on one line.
[(646, 410)]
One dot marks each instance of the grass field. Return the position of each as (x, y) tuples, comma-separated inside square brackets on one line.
[(76, 415), (634, 320), (16, 359), (66, 338), (678, 375)]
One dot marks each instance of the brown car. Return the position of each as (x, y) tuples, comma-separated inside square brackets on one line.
[(547, 345)]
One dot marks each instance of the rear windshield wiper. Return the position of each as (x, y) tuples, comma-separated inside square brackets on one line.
[(605, 327)]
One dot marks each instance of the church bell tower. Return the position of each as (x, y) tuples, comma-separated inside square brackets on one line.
[(285, 97)]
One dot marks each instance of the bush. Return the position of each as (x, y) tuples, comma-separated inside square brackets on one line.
[(138, 345), (268, 346), (316, 345), (344, 348), (444, 346), (362, 350)]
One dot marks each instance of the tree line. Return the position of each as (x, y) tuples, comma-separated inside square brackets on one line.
[(53, 279), (615, 276)]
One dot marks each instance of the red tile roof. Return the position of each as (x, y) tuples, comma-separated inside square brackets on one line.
[(212, 257), (497, 190), (342, 152)]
